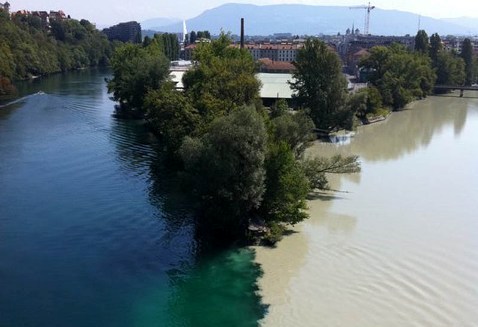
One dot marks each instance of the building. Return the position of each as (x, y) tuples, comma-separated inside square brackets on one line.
[(267, 65), (45, 17), (124, 32), (5, 7), (274, 51), (57, 15)]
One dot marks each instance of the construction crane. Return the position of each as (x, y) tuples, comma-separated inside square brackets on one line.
[(367, 16)]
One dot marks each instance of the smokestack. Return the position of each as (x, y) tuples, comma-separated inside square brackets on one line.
[(242, 33)]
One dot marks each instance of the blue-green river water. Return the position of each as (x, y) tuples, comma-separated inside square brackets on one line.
[(91, 231)]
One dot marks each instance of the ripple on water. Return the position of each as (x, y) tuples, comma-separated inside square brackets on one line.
[(399, 249)]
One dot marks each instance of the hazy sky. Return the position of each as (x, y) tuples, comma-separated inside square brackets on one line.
[(106, 12)]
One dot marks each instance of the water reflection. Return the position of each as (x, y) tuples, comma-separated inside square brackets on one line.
[(407, 131), (201, 286), (71, 83)]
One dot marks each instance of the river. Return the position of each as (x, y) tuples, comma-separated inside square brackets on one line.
[(398, 244), (92, 232)]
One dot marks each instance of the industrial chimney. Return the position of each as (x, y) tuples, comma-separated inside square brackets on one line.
[(242, 33)]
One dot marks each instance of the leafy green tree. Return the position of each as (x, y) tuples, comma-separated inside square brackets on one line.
[(315, 169), (421, 42), (136, 71), (224, 79), (467, 55), (475, 69), (295, 130), (399, 75), (171, 116), (279, 108), (436, 47), (450, 69), (286, 187), (320, 85), (192, 37), (226, 166), (366, 101), (32, 49)]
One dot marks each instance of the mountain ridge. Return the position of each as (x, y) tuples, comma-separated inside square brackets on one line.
[(314, 20)]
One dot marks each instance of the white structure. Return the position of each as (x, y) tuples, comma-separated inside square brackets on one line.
[(185, 31)]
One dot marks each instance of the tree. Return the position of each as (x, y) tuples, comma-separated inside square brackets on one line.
[(315, 169), (224, 79), (295, 130), (436, 47), (226, 167), (399, 75), (192, 37), (467, 55), (365, 102), (320, 85), (279, 108), (421, 42), (286, 187), (450, 69), (171, 116), (136, 71)]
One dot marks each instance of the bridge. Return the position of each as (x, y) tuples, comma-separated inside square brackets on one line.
[(462, 88)]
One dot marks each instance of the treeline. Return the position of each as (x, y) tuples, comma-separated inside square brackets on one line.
[(398, 75), (167, 43), (245, 164), (193, 36), (29, 48)]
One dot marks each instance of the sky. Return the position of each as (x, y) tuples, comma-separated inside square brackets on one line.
[(109, 12)]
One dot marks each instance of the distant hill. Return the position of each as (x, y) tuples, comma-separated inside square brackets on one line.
[(470, 24), (155, 23), (313, 20)]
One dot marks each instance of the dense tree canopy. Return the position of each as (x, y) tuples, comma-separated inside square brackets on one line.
[(436, 47), (29, 48), (223, 80), (399, 75), (320, 85), (467, 55), (422, 43), (241, 163), (136, 70), (227, 168), (171, 115)]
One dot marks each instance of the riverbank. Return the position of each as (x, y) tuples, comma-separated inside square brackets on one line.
[(393, 249)]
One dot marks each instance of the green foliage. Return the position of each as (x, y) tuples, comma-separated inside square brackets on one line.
[(136, 71), (467, 55), (399, 75), (286, 187), (171, 116), (436, 48), (226, 166), (296, 130), (194, 36), (279, 108), (167, 43), (320, 85), (450, 69), (421, 42), (28, 47), (366, 102), (475, 69), (316, 168), (224, 79)]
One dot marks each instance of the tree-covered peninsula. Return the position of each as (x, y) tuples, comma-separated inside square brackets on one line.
[(243, 163), (29, 47)]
